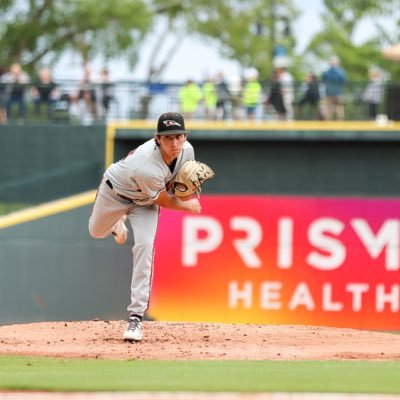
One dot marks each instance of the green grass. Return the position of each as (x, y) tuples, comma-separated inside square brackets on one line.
[(6, 208), (28, 373)]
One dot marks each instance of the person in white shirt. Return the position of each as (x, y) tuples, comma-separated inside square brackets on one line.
[(373, 93), (286, 80)]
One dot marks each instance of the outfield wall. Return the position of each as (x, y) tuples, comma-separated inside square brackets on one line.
[(40, 163), (52, 271), (329, 195)]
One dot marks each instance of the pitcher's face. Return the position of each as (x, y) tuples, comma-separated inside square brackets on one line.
[(171, 145)]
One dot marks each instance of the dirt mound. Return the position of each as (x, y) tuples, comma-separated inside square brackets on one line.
[(196, 341)]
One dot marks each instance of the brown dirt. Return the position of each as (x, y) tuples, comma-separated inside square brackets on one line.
[(196, 341)]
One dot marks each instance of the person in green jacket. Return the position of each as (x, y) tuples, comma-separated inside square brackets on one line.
[(209, 98), (252, 92), (190, 96)]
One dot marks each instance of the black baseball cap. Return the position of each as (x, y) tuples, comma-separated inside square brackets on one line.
[(171, 123)]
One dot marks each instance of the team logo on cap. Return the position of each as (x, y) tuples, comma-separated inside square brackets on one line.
[(170, 122)]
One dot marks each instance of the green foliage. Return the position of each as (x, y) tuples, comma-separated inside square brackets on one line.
[(340, 22), (246, 31), (6, 208), (36, 30)]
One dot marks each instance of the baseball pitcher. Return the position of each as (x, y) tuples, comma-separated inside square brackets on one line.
[(162, 172)]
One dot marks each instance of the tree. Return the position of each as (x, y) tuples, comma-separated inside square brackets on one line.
[(245, 30), (340, 22), (35, 30)]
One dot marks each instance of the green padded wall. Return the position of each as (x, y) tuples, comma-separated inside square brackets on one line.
[(46, 162), (52, 270)]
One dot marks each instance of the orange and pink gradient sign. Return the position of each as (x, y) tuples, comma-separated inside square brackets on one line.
[(280, 260)]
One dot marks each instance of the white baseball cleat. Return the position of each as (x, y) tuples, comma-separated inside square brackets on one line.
[(120, 231), (133, 330)]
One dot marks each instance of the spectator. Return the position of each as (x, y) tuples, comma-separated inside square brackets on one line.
[(86, 97), (3, 96), (16, 83), (210, 98), (190, 96), (374, 92), (223, 96), (251, 93), (235, 90), (310, 96), (275, 97), (45, 91), (334, 79), (106, 91), (61, 111), (286, 80)]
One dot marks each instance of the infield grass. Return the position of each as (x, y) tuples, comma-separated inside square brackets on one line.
[(31, 373)]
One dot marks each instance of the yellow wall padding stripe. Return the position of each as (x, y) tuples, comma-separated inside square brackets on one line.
[(260, 125), (110, 137), (47, 209)]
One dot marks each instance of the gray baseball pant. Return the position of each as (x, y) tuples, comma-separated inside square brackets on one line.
[(107, 210)]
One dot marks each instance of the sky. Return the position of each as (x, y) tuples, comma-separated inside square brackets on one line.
[(196, 59)]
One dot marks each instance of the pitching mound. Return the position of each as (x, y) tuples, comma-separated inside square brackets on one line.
[(196, 341)]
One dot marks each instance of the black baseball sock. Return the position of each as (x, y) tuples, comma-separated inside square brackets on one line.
[(139, 317)]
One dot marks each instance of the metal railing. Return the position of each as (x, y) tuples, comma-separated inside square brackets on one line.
[(140, 100)]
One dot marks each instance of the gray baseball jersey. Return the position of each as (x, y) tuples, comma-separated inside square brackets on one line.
[(143, 173), (139, 177)]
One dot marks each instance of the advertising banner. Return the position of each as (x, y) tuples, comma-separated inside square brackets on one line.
[(280, 260)]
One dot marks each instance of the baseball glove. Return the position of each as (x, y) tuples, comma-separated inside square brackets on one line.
[(190, 177)]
